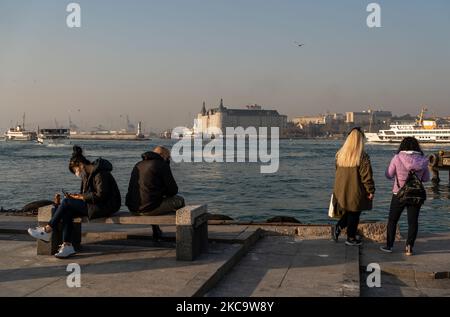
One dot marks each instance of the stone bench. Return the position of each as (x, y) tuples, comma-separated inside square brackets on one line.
[(191, 229)]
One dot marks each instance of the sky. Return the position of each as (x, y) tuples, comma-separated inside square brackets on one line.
[(157, 61)]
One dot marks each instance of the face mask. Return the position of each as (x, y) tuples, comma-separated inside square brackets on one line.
[(80, 174)]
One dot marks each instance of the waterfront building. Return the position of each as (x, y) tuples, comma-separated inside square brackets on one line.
[(369, 116), (305, 120), (223, 117)]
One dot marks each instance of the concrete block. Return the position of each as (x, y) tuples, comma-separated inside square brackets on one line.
[(192, 232), (188, 215)]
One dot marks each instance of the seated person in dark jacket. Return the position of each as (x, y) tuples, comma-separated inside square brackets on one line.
[(99, 197), (152, 189)]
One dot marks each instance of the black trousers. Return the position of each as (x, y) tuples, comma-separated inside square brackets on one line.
[(394, 215), (350, 220)]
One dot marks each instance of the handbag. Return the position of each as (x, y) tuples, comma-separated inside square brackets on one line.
[(332, 208)]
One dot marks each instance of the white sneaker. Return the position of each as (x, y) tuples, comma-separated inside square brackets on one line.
[(65, 251), (39, 234)]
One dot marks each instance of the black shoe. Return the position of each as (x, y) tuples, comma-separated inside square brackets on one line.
[(386, 249), (409, 250), (157, 233), (335, 232), (353, 242)]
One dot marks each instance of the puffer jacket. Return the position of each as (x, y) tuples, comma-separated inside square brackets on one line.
[(404, 162), (151, 180), (100, 190)]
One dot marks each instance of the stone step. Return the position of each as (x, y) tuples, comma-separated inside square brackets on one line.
[(285, 266)]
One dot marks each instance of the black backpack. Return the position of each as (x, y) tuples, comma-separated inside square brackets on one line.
[(413, 192)]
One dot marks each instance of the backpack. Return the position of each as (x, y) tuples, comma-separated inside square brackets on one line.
[(413, 192)]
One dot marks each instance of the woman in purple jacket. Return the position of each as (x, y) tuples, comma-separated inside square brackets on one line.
[(409, 157)]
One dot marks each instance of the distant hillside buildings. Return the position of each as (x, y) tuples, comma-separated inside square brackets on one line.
[(369, 116), (337, 124), (355, 118), (318, 119)]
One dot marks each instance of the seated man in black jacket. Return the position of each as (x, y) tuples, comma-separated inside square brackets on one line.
[(152, 190)]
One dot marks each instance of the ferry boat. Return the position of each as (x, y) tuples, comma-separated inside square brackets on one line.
[(19, 133), (53, 136), (104, 135), (424, 130)]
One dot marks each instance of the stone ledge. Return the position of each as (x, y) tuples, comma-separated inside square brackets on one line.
[(187, 216), (371, 231)]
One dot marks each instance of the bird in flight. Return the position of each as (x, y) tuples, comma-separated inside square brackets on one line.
[(299, 44)]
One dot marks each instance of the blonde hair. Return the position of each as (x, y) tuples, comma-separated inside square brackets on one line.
[(350, 153)]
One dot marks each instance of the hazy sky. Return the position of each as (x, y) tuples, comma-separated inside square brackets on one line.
[(158, 60)]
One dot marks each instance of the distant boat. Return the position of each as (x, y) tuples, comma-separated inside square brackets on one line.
[(19, 133), (424, 130), (53, 136), (105, 135)]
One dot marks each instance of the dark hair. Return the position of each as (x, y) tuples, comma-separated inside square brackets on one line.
[(77, 159), (410, 144)]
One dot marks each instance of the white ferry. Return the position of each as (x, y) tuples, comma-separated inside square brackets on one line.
[(53, 136), (424, 130), (19, 133)]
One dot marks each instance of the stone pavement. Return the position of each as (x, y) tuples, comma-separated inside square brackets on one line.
[(243, 260), (290, 267), (117, 260), (427, 273), (108, 270)]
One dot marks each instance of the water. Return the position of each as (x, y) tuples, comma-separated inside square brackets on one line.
[(301, 188)]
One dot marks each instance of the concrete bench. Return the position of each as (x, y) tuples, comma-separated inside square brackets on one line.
[(191, 229)]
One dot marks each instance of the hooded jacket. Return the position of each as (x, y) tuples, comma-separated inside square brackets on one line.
[(151, 180), (100, 190), (404, 162)]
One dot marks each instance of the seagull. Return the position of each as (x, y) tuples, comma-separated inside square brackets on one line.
[(299, 44)]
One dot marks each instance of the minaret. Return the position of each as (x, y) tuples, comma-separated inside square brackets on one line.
[(221, 107), (204, 109)]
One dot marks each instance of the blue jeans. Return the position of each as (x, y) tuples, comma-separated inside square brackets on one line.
[(66, 212)]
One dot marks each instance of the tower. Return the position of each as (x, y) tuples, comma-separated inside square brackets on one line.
[(221, 107), (203, 112), (139, 130)]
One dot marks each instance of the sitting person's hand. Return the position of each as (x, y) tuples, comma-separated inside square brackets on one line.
[(76, 196), (57, 199)]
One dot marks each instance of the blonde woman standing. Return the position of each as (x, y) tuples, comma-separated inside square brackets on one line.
[(354, 187)]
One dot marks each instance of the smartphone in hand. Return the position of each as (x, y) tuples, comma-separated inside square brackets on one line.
[(66, 194)]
